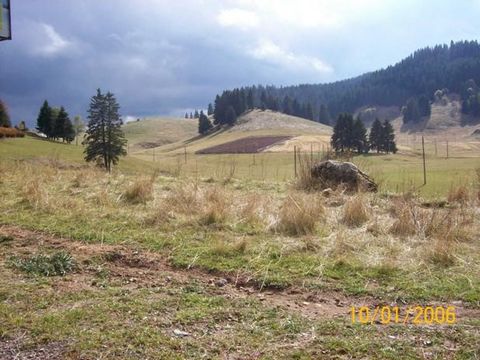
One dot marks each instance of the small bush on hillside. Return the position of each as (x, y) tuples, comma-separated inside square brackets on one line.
[(57, 264)]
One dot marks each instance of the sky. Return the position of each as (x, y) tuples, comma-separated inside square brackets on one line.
[(164, 57)]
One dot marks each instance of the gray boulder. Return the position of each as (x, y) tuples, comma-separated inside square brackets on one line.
[(332, 174)]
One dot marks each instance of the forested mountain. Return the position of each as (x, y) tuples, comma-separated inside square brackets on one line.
[(451, 68)]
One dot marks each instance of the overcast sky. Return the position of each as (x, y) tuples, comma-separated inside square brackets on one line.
[(166, 57)]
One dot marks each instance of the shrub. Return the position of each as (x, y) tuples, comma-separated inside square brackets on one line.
[(299, 215), (10, 132), (57, 264), (355, 213)]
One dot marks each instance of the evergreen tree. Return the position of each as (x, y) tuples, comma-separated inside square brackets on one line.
[(424, 106), (4, 117), (359, 137), (196, 115), (60, 124), (210, 109), (309, 112), (104, 138), (324, 116), (69, 134), (342, 133), (78, 127), (263, 100), (204, 124), (389, 144), (411, 112), (250, 100), (191, 115), (376, 137), (186, 115), (230, 116), (45, 119), (287, 105)]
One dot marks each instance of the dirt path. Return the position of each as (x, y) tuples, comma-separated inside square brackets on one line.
[(141, 269)]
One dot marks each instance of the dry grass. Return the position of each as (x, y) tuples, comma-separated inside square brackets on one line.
[(404, 225), (355, 213), (305, 181), (459, 194), (300, 214), (215, 206), (139, 192)]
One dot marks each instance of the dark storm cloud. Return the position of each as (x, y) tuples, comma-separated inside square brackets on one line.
[(164, 57)]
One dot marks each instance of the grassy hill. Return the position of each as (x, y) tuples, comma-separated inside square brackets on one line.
[(253, 123), (66, 155), (154, 132)]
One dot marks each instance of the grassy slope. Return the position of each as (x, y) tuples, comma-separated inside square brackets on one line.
[(159, 130), (29, 148)]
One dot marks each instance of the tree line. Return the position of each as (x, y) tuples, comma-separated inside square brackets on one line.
[(55, 123), (350, 135), (411, 82)]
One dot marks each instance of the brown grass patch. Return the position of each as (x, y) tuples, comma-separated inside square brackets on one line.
[(459, 194), (300, 214), (355, 212), (139, 192)]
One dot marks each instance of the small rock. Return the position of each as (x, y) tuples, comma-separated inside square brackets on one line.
[(221, 282), (180, 333)]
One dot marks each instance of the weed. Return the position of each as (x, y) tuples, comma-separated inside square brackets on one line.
[(57, 264)]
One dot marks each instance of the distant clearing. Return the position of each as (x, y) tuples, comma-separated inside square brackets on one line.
[(246, 145)]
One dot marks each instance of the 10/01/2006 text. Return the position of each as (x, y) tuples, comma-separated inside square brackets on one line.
[(417, 315)]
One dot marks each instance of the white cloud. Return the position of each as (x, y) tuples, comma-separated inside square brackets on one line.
[(268, 51), (239, 18), (54, 43)]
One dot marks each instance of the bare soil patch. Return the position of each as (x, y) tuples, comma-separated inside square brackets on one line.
[(132, 269), (248, 145)]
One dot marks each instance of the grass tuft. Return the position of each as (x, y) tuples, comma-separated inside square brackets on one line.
[(139, 192), (355, 212), (300, 214)]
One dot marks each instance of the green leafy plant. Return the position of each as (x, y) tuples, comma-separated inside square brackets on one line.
[(57, 264)]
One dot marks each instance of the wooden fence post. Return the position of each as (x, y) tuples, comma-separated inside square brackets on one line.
[(295, 159), (424, 167)]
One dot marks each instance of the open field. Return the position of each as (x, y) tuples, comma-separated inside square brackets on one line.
[(246, 269), (179, 255)]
